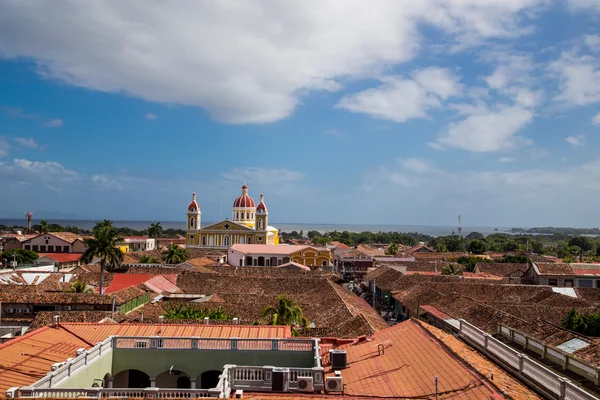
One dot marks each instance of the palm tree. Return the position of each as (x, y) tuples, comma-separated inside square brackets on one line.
[(146, 259), (43, 226), (174, 254), (286, 312), (155, 230), (392, 250), (449, 269), (80, 286), (104, 245)]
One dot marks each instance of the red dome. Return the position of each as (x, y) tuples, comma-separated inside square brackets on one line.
[(261, 206), (244, 201), (194, 204)]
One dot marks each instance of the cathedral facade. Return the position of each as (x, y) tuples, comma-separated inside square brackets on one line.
[(249, 224)]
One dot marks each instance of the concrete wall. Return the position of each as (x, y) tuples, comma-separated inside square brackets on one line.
[(84, 378), (193, 363)]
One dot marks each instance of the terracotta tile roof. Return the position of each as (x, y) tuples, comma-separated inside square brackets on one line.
[(161, 285), (122, 281), (62, 257), (294, 265), (587, 272), (22, 296), (406, 367), (282, 249), (44, 318), (87, 268), (554, 269), (128, 259), (28, 358), (418, 247), (199, 262), (370, 250), (339, 245), (94, 333), (124, 295), (501, 269), (20, 238), (358, 306), (66, 236)]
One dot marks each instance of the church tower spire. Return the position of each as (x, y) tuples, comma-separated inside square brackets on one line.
[(193, 222)]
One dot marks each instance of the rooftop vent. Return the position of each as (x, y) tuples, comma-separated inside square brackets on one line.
[(56, 320), (338, 359), (161, 319)]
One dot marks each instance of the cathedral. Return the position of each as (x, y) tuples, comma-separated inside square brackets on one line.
[(249, 224)]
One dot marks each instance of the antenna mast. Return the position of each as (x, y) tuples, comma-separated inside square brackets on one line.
[(29, 217), (459, 226)]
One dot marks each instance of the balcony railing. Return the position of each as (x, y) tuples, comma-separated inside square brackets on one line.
[(196, 343), (261, 378), (152, 392)]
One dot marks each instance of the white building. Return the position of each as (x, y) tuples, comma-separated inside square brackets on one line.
[(55, 242), (139, 243)]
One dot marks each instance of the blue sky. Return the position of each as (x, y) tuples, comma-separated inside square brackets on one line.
[(393, 112)]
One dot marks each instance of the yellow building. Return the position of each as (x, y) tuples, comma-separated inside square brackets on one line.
[(249, 224)]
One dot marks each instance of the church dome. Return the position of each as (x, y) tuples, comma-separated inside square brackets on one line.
[(244, 201), (194, 206), (261, 206)]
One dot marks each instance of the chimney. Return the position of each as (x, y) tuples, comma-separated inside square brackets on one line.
[(206, 320), (56, 320), (161, 319), (236, 321), (141, 317)]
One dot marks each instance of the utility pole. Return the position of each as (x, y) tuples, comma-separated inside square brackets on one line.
[(435, 379), (14, 262)]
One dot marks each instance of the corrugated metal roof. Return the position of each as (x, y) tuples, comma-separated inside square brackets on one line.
[(572, 345), (567, 291)]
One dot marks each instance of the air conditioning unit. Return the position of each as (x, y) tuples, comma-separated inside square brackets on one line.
[(305, 384), (67, 308), (56, 366), (10, 310), (12, 393), (281, 381), (334, 383), (239, 394), (338, 359)]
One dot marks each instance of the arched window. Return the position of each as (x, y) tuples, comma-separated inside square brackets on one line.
[(192, 209), (203, 240), (226, 241), (260, 224), (192, 222), (250, 240), (191, 237), (237, 215), (247, 215)]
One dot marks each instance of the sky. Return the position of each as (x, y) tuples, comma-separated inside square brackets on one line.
[(339, 111)]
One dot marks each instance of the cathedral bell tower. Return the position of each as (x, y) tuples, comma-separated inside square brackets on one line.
[(262, 216), (193, 222)]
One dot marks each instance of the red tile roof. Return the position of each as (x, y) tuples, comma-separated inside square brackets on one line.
[(161, 285), (554, 269), (123, 281), (62, 257), (95, 333), (587, 271), (406, 367)]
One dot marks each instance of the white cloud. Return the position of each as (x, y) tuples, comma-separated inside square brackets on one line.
[(579, 78), (4, 147), (334, 132), (506, 159), (400, 99), (105, 182), (30, 143), (531, 195), (54, 123), (151, 116), (593, 41), (22, 170), (487, 130), (585, 5), (576, 141), (244, 62), (596, 119)]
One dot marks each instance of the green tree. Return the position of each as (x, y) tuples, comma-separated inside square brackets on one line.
[(174, 254), (392, 250), (301, 233), (43, 226), (470, 262), (23, 256), (80, 286), (313, 234), (319, 241), (514, 259), (478, 246), (537, 247), (104, 245), (585, 245), (188, 312), (450, 269), (586, 324), (474, 235), (146, 259), (286, 312), (441, 248), (510, 245), (155, 230)]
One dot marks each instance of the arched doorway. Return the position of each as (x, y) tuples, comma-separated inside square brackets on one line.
[(173, 379), (261, 261), (131, 378), (209, 379), (248, 260)]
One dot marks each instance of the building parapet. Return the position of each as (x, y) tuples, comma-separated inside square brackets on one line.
[(538, 376)]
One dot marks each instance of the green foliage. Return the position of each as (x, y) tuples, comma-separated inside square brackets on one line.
[(23, 256), (80, 286), (440, 248), (155, 230), (104, 245), (450, 269), (478, 246), (285, 312), (514, 259), (474, 235), (470, 261), (146, 259), (353, 238), (174, 254), (537, 247), (392, 250), (586, 324), (182, 311)]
